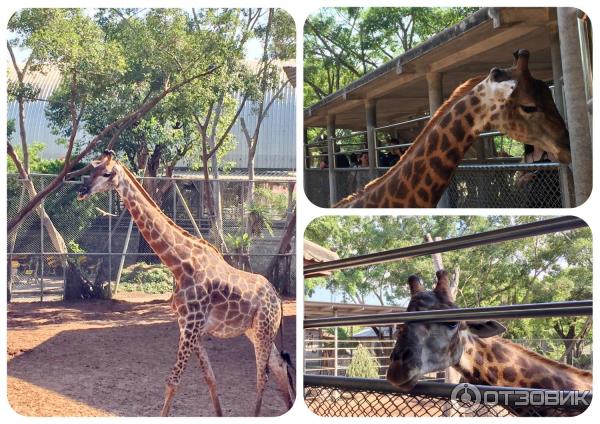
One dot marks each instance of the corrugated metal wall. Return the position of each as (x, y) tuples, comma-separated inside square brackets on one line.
[(276, 147)]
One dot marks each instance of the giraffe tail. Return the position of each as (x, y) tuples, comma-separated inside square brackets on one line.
[(290, 369)]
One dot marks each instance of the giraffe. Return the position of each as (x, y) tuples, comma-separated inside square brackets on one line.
[(509, 100), (472, 348), (210, 296)]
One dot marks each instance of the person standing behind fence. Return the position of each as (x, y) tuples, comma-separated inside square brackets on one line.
[(541, 187)]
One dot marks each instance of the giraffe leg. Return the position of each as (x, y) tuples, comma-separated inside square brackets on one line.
[(183, 354), (262, 350), (278, 367), (209, 376)]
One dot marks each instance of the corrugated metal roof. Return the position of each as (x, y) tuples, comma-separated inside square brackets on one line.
[(276, 148)]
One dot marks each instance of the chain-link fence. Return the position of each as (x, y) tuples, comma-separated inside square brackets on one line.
[(101, 240), (535, 185), (344, 397)]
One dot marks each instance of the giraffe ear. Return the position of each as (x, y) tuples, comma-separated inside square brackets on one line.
[(96, 163), (485, 329)]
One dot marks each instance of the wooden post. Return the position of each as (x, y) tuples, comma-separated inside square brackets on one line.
[(331, 159), (371, 119), (575, 103)]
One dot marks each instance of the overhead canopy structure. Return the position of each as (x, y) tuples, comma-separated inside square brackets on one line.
[(329, 309), (482, 41), (315, 254)]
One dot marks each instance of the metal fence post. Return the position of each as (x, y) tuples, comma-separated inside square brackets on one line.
[(41, 207), (331, 159)]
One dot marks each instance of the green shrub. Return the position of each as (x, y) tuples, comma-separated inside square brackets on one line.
[(363, 365), (147, 278)]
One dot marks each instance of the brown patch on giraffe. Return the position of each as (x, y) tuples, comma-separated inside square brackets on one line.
[(475, 101), (458, 130), (509, 374), (445, 142), (438, 166), (478, 358), (469, 118), (460, 107), (423, 194), (492, 375), (446, 120), (428, 180), (500, 352), (432, 142), (453, 155)]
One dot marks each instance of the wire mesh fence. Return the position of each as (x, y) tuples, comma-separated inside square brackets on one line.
[(536, 185), (343, 397), (100, 241)]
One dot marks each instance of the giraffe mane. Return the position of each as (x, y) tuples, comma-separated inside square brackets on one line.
[(147, 196), (456, 95), (545, 360)]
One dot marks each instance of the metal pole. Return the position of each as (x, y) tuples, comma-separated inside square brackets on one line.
[(371, 119), (42, 207), (533, 310), (331, 159), (110, 204), (335, 347), (575, 103), (122, 261), (495, 236), (188, 212)]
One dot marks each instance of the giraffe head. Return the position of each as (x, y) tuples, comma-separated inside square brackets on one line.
[(424, 347), (530, 114), (103, 177)]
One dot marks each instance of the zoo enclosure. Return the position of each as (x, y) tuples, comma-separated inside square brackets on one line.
[(102, 239), (412, 85), (343, 396)]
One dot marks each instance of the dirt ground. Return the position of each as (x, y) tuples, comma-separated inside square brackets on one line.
[(108, 358)]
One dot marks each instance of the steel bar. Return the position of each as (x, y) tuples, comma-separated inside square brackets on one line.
[(435, 389), (495, 236), (532, 310)]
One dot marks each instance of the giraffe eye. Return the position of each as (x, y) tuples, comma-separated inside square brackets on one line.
[(451, 325), (529, 109), (107, 174)]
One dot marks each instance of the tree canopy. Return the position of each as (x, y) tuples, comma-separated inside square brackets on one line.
[(344, 43)]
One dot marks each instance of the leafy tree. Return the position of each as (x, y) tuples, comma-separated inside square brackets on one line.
[(343, 44), (363, 365)]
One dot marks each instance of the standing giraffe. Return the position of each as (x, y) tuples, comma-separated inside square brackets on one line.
[(210, 296), (509, 100), (472, 348)]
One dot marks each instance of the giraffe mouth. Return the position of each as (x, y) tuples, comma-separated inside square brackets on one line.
[(83, 193)]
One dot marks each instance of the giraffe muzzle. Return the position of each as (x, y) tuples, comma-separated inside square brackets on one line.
[(83, 193)]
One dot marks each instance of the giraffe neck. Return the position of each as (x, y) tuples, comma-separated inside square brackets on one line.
[(496, 361), (422, 174), (176, 248)]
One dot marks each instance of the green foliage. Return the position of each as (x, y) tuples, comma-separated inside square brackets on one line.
[(546, 268), (342, 44), (74, 247), (238, 242), (363, 365), (146, 278), (265, 205)]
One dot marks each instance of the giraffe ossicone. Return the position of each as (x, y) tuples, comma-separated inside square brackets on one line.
[(210, 297), (508, 100), (474, 349)]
